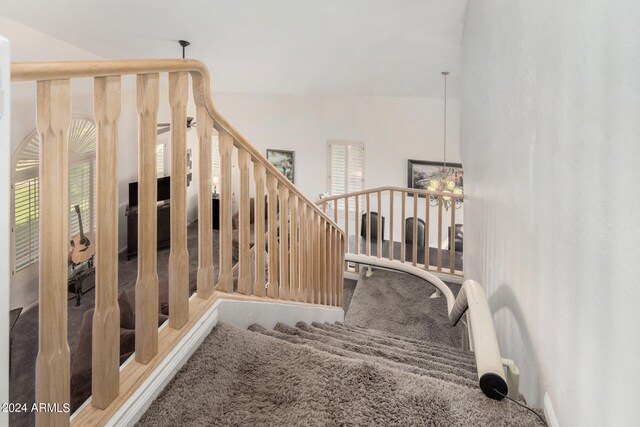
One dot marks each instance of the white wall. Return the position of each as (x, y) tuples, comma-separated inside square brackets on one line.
[(550, 131), (5, 268), (394, 130)]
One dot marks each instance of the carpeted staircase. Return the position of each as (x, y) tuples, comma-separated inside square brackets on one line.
[(328, 374)]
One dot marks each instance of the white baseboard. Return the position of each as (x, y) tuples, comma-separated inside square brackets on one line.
[(351, 275), (237, 313), (549, 413)]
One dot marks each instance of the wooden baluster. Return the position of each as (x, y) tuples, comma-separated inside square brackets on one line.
[(403, 237), (52, 362), (147, 89), (340, 254), (357, 225), (105, 355), (414, 246), (272, 189), (293, 248), (357, 232), (225, 276), (205, 277), (317, 256), (179, 256), (368, 231), (346, 223), (311, 260), (391, 242), (259, 177), (334, 267), (244, 232), (426, 233), (304, 280), (335, 211), (320, 260), (329, 266), (380, 238), (323, 261), (338, 269), (452, 238), (440, 233), (284, 242)]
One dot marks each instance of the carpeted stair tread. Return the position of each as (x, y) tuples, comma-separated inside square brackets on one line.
[(338, 351), (305, 332), (373, 344), (398, 341), (379, 333), (400, 355), (424, 351), (239, 377)]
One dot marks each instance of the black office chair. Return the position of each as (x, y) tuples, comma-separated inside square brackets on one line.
[(374, 226), (408, 231), (458, 237)]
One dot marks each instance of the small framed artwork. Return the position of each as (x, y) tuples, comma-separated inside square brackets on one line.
[(284, 161), (425, 175)]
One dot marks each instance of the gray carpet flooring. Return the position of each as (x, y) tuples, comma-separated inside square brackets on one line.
[(315, 375), (399, 303), (408, 372), (25, 333), (347, 293)]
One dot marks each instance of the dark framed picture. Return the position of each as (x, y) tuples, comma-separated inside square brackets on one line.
[(284, 161), (429, 175)]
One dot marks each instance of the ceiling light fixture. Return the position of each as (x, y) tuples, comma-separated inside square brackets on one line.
[(445, 179), (184, 45)]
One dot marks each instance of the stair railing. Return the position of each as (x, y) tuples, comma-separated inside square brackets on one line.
[(424, 261), (305, 248), (386, 205), (471, 300)]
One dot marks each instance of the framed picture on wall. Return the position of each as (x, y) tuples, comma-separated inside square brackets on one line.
[(284, 161), (425, 175)]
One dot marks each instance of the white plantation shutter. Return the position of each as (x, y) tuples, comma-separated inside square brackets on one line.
[(160, 160), (215, 157), (338, 172), (25, 228), (346, 169), (81, 193), (82, 147)]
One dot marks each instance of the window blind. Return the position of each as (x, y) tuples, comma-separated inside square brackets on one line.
[(26, 232), (346, 169)]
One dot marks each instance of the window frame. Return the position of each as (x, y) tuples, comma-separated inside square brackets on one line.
[(346, 144), (32, 270)]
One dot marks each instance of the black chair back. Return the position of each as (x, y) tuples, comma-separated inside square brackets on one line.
[(374, 226), (408, 231), (459, 234)]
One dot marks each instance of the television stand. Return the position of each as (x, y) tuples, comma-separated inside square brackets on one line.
[(164, 228)]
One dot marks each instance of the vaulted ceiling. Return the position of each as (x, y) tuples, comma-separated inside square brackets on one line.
[(338, 47)]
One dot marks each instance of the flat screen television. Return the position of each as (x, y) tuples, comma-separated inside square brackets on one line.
[(164, 191)]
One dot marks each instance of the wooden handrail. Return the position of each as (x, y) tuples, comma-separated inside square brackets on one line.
[(472, 299), (421, 192), (409, 239)]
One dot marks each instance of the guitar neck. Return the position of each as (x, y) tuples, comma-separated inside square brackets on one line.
[(82, 236)]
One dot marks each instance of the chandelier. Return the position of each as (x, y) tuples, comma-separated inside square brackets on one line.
[(446, 179)]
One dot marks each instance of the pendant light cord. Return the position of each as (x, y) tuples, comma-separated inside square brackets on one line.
[(444, 155)]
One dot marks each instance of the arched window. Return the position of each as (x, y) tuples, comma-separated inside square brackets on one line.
[(25, 229)]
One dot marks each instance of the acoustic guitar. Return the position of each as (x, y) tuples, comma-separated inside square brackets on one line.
[(82, 249)]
